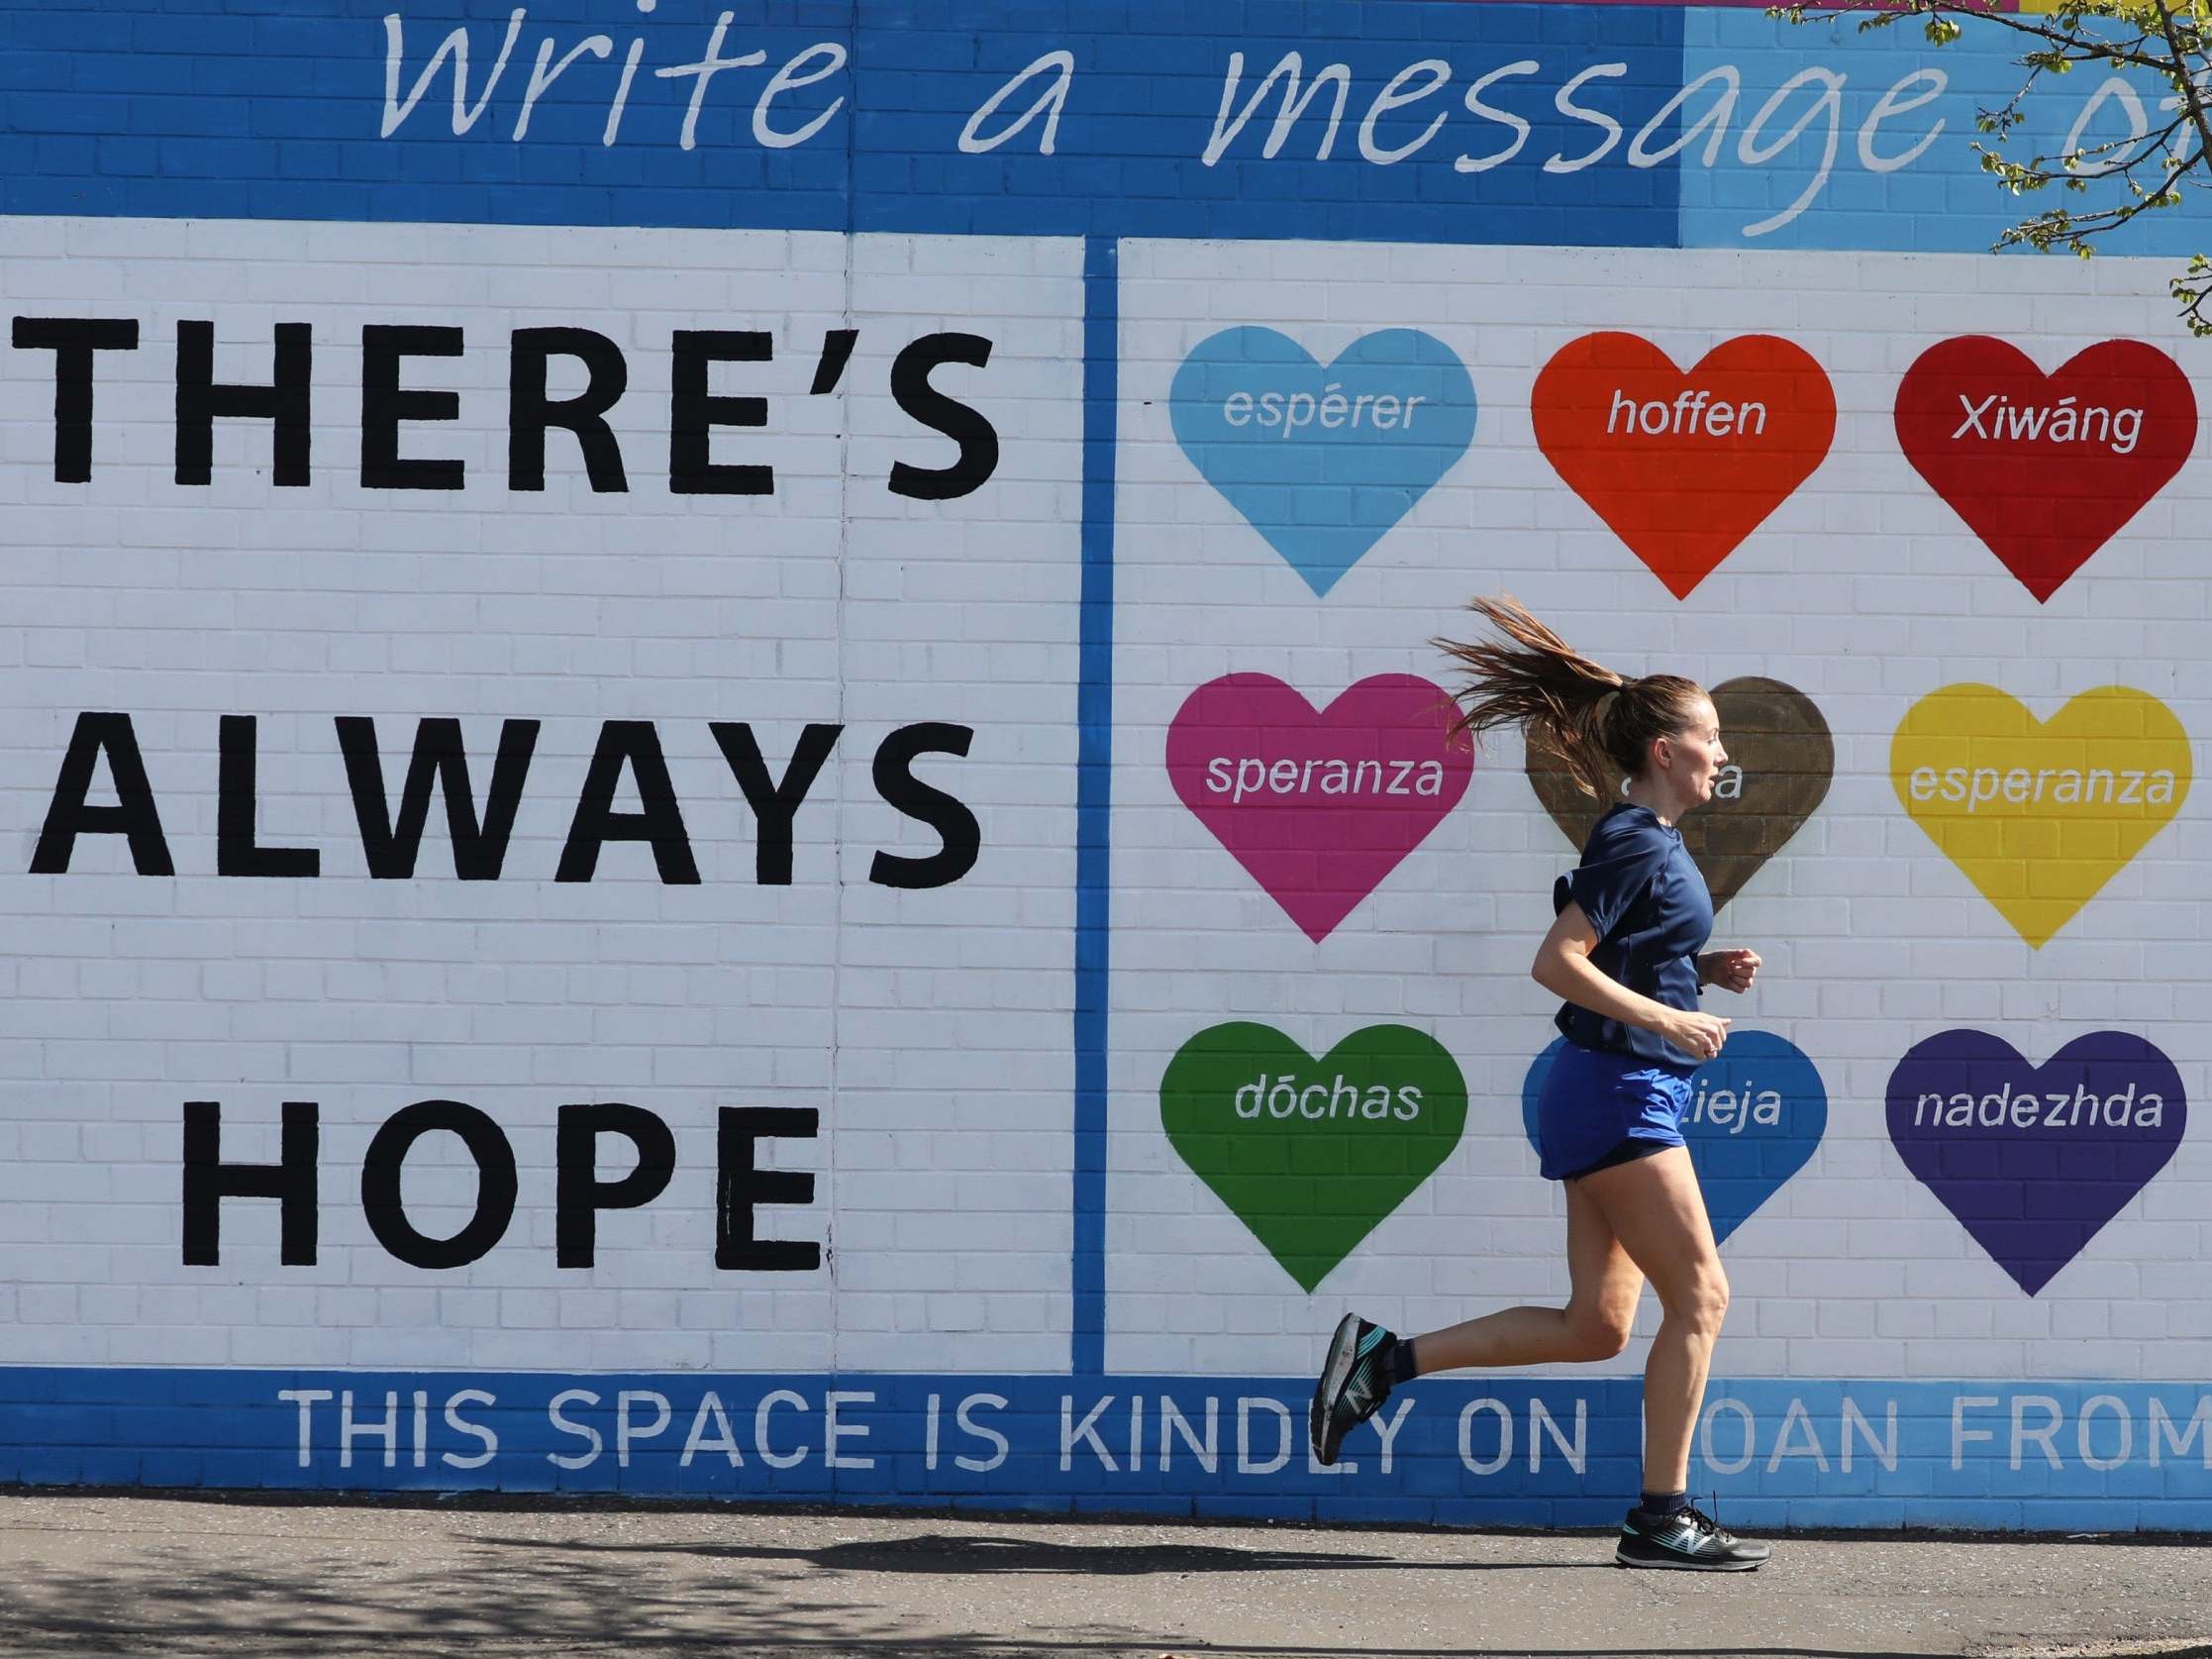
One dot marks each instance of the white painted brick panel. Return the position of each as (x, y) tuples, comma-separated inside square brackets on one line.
[(1864, 591), (941, 1015)]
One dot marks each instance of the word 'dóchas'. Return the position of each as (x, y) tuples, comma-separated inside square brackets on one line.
[(1336, 1098)]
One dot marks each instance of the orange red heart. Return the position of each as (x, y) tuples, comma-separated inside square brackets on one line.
[(1683, 463)]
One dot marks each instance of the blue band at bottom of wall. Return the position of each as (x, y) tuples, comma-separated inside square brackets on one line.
[(2071, 1456)]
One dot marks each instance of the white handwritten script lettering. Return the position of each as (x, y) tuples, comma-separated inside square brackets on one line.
[(1299, 108), (2066, 421)]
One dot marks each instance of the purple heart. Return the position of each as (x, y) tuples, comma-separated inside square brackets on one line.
[(2034, 1160)]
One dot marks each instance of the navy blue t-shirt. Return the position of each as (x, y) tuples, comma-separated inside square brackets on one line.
[(1646, 898)]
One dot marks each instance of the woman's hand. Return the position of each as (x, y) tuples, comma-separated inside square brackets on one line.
[(1730, 969), (1699, 1036)]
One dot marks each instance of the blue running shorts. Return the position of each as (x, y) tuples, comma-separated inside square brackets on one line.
[(1600, 1108)]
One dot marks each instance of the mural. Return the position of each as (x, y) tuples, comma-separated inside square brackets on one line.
[(2046, 468), (1320, 807), (1683, 466), (1311, 1154), (1780, 761), (2035, 1160), (1321, 461), (727, 774), (2040, 814), (1756, 1118)]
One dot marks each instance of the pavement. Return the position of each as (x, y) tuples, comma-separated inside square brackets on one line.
[(246, 1574)]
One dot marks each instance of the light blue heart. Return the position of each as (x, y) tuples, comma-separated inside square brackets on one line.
[(1741, 1163), (1322, 461)]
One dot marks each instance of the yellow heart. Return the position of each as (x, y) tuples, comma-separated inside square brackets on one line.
[(2040, 814)]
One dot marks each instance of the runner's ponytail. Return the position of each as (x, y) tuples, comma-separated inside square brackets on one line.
[(1564, 702)]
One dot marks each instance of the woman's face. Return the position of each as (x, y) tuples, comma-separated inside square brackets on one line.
[(1696, 756)]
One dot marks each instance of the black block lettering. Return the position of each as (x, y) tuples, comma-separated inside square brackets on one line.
[(530, 411), (495, 1183), (287, 402), (951, 818), (208, 1181), (478, 854), (72, 341), (773, 804), (636, 745), (972, 468), (740, 1186), (384, 406), (236, 762), (693, 412), (133, 816), (579, 1194)]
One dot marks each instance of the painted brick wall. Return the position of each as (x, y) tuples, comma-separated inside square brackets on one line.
[(1013, 525)]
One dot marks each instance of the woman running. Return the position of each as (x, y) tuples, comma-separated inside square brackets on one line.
[(1627, 954)]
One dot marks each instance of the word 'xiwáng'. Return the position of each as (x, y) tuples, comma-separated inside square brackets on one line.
[(2068, 421)]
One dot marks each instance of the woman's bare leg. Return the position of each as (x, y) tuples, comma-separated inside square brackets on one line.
[(1593, 1325), (1655, 1213)]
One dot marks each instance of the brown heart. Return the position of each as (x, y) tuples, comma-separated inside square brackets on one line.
[(1780, 757)]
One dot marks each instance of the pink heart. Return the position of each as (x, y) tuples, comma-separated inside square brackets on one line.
[(1319, 808)]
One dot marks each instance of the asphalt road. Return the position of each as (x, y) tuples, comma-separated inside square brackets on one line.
[(104, 1574)]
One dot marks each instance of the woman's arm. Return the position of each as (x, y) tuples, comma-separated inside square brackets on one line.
[(1563, 968)]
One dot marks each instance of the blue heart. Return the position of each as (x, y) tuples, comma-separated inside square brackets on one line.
[(1322, 461), (1741, 1163)]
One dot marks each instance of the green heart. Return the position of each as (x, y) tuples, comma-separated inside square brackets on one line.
[(1315, 1177)]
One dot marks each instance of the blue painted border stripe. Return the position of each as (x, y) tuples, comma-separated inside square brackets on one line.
[(1094, 763), (1493, 1450)]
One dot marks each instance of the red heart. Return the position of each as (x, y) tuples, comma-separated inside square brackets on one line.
[(1975, 417), (1628, 432)]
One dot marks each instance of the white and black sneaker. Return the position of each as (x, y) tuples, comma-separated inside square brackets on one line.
[(1687, 1539), (1355, 1381)]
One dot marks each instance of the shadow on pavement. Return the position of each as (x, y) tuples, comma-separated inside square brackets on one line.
[(963, 1555), (171, 1599), (516, 1595)]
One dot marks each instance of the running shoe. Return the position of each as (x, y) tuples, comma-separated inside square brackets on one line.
[(1354, 1380), (1688, 1539)]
